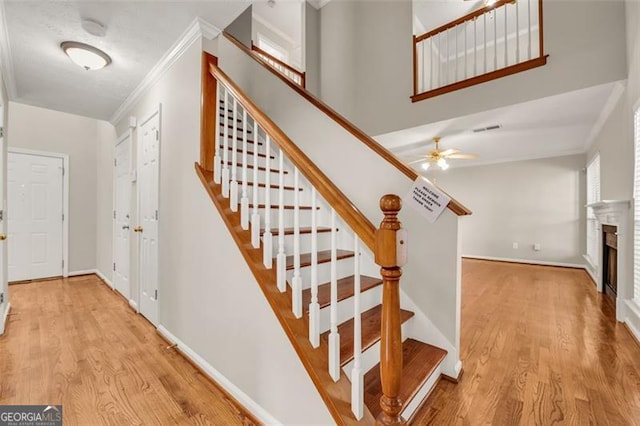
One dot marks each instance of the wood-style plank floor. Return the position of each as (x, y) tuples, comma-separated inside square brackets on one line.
[(539, 347), (76, 343)]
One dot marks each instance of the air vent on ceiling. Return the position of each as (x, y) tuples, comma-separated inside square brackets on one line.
[(488, 128)]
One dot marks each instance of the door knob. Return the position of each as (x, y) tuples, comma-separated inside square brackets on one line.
[(138, 229), (3, 237), (125, 227)]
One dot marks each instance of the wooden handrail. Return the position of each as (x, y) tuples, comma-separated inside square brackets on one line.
[(302, 74), (468, 17), (353, 217), (455, 207)]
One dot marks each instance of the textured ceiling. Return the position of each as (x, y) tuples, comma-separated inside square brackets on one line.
[(138, 35), (547, 127)]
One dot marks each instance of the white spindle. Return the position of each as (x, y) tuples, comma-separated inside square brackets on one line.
[(244, 201), (431, 62), (296, 282), (466, 65), (357, 379), (233, 199), (267, 239), (455, 31), (281, 258), (517, 32), (495, 40), (529, 29), (438, 56), (217, 160), (225, 148), (484, 29), (506, 39), (475, 47), (255, 217), (423, 78), (314, 306), (334, 337), (446, 60)]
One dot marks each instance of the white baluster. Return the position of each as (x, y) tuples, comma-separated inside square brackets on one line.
[(217, 160), (529, 30), (484, 28), (446, 61), (233, 199), (455, 31), (357, 378), (314, 306), (225, 148), (255, 217), (495, 40), (475, 46), (423, 78), (506, 39), (281, 258), (439, 60), (267, 240), (431, 63), (244, 201), (296, 282), (334, 337), (517, 32), (466, 65)]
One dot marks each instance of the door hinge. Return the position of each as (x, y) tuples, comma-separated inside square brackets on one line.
[(1, 214), (62, 263), (63, 217), (156, 214), (114, 266), (1, 132), (114, 214), (63, 171), (157, 135), (156, 296)]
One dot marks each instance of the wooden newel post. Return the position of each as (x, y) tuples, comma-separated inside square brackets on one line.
[(390, 255)]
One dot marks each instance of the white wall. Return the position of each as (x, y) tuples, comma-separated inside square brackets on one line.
[(208, 296), (528, 202), (52, 131), (4, 122), (585, 41)]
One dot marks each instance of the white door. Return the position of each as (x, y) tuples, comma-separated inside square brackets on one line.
[(122, 217), (34, 216), (148, 187)]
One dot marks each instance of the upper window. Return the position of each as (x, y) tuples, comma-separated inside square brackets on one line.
[(593, 196)]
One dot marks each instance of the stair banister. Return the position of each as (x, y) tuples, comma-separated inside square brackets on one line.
[(285, 69), (387, 256)]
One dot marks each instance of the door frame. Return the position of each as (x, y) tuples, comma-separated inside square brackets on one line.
[(156, 111), (65, 197), (118, 141)]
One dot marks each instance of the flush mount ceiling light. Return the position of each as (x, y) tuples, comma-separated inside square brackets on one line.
[(86, 56)]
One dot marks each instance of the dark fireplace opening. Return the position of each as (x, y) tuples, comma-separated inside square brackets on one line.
[(610, 261)]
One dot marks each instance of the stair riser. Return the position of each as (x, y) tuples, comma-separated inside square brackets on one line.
[(305, 217), (344, 268), (371, 357), (324, 242), (422, 393), (368, 300)]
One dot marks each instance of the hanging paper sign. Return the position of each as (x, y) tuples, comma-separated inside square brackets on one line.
[(428, 200)]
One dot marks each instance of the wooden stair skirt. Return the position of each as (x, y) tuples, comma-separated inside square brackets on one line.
[(421, 360)]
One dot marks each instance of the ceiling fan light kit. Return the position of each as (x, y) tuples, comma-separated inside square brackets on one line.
[(440, 158)]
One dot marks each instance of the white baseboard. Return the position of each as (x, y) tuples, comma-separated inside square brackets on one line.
[(221, 380), (527, 261), (104, 278), (86, 272), (4, 318), (133, 305), (632, 317)]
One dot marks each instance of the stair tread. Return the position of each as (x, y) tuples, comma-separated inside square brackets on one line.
[(272, 186), (289, 231), (324, 256), (345, 290), (286, 207), (240, 138), (250, 166), (230, 148), (419, 361), (371, 321), (239, 129)]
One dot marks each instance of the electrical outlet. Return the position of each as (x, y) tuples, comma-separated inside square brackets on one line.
[(515, 246), (536, 247), (1, 298)]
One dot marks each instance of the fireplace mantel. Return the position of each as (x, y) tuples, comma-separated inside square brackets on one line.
[(616, 213)]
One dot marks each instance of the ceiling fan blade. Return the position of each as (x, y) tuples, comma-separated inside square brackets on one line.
[(449, 152), (463, 156), (419, 160)]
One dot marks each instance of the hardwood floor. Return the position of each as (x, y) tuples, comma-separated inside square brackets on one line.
[(539, 347), (77, 343)]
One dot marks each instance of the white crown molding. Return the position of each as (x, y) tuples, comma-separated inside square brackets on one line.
[(605, 113), (6, 58), (318, 4), (197, 29)]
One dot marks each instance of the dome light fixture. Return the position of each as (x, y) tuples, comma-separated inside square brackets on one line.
[(88, 57)]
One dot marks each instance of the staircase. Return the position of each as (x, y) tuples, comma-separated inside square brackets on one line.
[(317, 273)]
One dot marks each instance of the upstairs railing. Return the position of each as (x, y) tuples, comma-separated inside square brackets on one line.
[(495, 41), (285, 69), (245, 131)]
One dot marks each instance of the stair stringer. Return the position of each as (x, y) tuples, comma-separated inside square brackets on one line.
[(431, 278)]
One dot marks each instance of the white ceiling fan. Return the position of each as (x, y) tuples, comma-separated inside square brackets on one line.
[(440, 158)]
